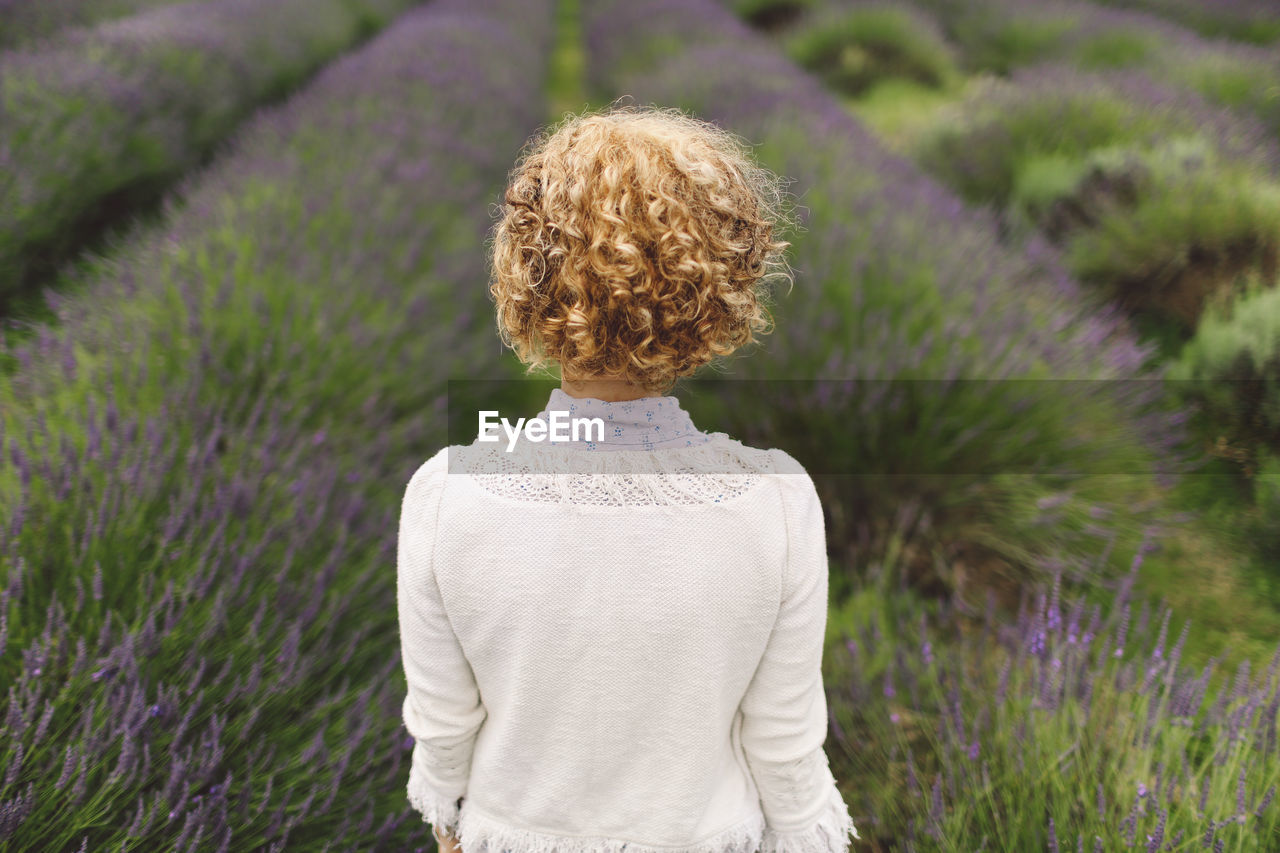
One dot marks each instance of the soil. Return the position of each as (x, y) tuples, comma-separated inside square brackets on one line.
[(1208, 278)]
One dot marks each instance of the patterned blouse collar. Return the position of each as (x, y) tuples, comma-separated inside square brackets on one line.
[(648, 423)]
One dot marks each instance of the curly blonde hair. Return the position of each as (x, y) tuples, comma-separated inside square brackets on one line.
[(634, 244)]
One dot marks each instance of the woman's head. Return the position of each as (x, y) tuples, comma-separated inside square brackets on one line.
[(635, 244)]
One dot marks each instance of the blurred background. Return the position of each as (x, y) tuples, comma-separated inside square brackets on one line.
[(1031, 358)]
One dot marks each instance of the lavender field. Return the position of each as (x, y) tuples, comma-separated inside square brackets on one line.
[(1032, 359)]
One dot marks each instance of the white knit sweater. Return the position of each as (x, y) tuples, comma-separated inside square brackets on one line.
[(609, 651)]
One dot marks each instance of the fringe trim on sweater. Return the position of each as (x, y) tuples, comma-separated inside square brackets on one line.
[(437, 809), (480, 833), (829, 835)]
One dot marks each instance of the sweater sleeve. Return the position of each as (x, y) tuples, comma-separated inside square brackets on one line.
[(442, 710), (784, 708)]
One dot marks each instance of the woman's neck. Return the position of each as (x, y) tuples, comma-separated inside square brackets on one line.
[(609, 390)]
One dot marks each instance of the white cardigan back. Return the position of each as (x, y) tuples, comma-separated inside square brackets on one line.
[(609, 651)]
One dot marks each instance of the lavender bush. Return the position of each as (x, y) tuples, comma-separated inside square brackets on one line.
[(1164, 201), (898, 281), (1073, 728), (1161, 198), (1255, 21), (97, 119), (30, 20), (854, 48), (203, 462), (1053, 110), (1000, 35)]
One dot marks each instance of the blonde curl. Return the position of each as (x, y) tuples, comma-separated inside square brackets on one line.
[(635, 243)]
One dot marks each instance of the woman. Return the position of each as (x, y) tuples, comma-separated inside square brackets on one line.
[(615, 642)]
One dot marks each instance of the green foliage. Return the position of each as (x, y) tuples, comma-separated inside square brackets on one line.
[(97, 122), (998, 42), (1265, 526), (900, 110), (1064, 727), (1216, 20), (1117, 48), (1044, 179), (1150, 210), (1003, 35), (564, 83), (852, 49), (211, 447), (1191, 232), (23, 23), (1252, 87), (1254, 31), (1231, 368), (981, 146)]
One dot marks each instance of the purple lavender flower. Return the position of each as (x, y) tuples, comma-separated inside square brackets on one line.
[(196, 421)]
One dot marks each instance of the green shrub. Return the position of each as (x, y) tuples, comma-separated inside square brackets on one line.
[(1000, 43), (1160, 202), (1197, 225), (1224, 79), (1042, 183), (1003, 35), (1080, 726), (1115, 49), (982, 146), (852, 49), (1251, 22), (1264, 525), (1231, 368), (96, 122)]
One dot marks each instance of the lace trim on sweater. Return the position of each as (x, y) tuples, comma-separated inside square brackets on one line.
[(715, 472)]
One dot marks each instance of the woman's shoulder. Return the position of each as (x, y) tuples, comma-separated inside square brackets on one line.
[(430, 473), (791, 478), (773, 460)]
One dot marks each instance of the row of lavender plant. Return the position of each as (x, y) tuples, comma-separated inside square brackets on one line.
[(91, 123), (1159, 198), (29, 20), (1165, 203), (897, 281), (1158, 195), (1255, 21), (1083, 112), (203, 462), (1048, 753), (999, 762), (1000, 35), (855, 45), (1072, 728), (1161, 201)]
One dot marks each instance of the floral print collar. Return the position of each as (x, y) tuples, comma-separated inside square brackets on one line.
[(649, 423)]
